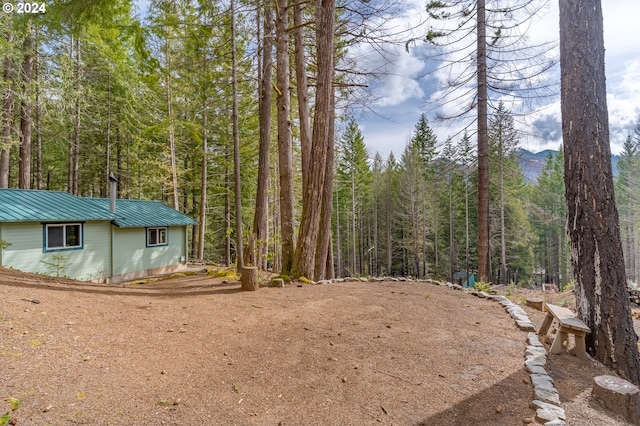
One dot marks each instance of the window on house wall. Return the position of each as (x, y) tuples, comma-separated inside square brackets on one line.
[(61, 236), (157, 236)]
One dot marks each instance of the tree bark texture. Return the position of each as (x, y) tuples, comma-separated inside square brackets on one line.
[(323, 121), (503, 242), (260, 222), (285, 153), (227, 215), (303, 94), (7, 118), (483, 147), (250, 278), (107, 143), (602, 298), (26, 121), (389, 222), (204, 181), (74, 143), (236, 144), (172, 137), (38, 154), (324, 255), (452, 266)]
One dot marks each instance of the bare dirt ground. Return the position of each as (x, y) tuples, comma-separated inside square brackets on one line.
[(198, 351)]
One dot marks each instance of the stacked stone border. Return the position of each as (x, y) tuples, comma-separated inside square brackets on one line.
[(546, 400), (546, 397)]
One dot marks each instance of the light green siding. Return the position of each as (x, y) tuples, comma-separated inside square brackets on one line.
[(114, 242), (131, 254), (92, 262)]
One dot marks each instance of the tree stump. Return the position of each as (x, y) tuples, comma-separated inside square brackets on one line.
[(619, 396), (250, 280), (535, 303)]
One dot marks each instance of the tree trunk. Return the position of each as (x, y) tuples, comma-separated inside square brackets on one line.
[(466, 220), (185, 188), (436, 238), (424, 208), (451, 236), (483, 147), (602, 298), (202, 226), (416, 233), (303, 94), (389, 212), (74, 148), (330, 270), (236, 143), (70, 150), (323, 120), (227, 212), (260, 222), (275, 246), (26, 120), (324, 254), (354, 265), (38, 159), (7, 118), (172, 137), (632, 247), (376, 231), (250, 278), (285, 160), (338, 237), (503, 242), (107, 143)]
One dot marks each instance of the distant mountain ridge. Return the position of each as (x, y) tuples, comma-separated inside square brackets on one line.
[(532, 163)]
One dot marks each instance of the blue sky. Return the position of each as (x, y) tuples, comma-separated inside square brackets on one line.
[(405, 91)]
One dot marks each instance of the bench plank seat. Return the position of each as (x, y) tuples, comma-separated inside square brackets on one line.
[(569, 324)]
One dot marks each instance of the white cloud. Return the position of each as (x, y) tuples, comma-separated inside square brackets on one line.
[(403, 94), (623, 73), (400, 81), (397, 69), (623, 102), (620, 28), (542, 129)]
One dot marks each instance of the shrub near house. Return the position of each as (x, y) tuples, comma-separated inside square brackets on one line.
[(57, 233)]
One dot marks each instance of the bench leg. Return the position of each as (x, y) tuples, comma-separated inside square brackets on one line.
[(581, 349), (546, 324), (557, 347)]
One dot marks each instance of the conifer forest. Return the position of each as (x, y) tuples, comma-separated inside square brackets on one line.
[(244, 115)]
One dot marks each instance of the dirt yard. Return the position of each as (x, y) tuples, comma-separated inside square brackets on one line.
[(198, 351)]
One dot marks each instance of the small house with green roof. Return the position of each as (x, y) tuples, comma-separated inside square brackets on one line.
[(92, 239)]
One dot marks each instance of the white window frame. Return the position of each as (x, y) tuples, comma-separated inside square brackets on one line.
[(159, 230), (64, 245)]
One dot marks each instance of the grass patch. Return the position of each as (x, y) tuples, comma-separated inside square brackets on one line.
[(223, 273)]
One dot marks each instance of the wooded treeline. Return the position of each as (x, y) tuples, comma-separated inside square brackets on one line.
[(627, 190), (225, 110)]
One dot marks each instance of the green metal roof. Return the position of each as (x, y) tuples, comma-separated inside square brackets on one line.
[(137, 213), (21, 205)]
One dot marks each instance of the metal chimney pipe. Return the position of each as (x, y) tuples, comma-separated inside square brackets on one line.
[(113, 182)]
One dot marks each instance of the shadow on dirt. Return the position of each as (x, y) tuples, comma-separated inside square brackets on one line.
[(484, 407)]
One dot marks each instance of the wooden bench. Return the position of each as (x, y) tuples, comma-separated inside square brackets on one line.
[(569, 324)]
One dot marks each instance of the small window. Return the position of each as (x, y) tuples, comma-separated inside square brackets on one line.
[(156, 237), (61, 236)]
